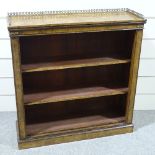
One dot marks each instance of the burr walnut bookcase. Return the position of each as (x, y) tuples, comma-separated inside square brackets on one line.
[(75, 73)]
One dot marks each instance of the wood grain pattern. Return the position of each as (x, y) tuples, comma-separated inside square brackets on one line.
[(70, 124), (73, 29), (27, 20), (18, 86), (75, 136), (74, 94), (72, 64), (133, 75)]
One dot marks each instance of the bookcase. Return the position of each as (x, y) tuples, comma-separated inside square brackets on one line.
[(75, 73)]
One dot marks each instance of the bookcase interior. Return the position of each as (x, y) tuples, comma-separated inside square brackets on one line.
[(60, 47), (112, 76), (75, 80), (54, 117)]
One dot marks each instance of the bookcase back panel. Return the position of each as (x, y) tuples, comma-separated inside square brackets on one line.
[(59, 47), (112, 76), (74, 114)]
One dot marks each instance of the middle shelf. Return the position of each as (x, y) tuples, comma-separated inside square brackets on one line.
[(45, 66), (72, 94)]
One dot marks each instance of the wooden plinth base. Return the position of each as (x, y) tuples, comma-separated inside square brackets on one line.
[(73, 136)]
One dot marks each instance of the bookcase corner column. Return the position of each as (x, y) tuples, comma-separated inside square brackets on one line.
[(133, 74), (18, 86)]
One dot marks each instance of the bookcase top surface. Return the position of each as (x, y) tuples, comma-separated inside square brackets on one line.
[(19, 20)]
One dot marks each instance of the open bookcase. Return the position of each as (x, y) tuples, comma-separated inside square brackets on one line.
[(75, 73)]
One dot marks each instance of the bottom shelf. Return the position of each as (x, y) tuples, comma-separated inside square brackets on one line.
[(69, 116), (73, 123)]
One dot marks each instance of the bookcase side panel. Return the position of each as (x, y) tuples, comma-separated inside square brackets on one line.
[(18, 86), (133, 75)]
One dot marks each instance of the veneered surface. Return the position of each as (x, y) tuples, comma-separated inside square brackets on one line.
[(73, 18)]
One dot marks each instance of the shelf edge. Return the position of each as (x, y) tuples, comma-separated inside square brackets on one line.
[(69, 98), (80, 65)]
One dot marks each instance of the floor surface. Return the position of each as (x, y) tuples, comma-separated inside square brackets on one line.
[(140, 142)]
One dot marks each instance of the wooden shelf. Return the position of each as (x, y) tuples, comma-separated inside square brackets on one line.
[(72, 64), (74, 94), (71, 124)]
